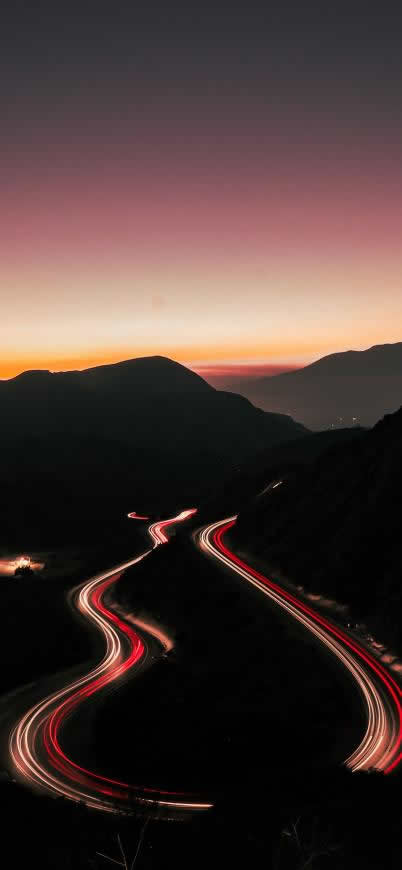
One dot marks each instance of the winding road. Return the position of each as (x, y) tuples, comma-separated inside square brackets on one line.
[(380, 748), (35, 744)]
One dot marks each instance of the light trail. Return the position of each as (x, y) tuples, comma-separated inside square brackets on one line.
[(34, 743), (157, 530), (165, 641), (380, 748), (269, 488)]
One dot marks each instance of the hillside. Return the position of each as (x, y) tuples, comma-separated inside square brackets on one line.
[(334, 390), (80, 448), (334, 526), (256, 472)]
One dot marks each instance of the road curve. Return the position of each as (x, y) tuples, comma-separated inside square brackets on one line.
[(34, 743), (380, 748)]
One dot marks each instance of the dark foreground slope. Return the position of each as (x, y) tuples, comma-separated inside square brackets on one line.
[(79, 448), (335, 526), (350, 822), (335, 389)]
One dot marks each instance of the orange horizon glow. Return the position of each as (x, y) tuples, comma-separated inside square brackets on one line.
[(10, 369), (210, 362), (214, 362)]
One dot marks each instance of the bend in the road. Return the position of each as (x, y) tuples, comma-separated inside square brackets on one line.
[(380, 747), (34, 743)]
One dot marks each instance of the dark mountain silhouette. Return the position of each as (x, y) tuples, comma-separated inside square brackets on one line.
[(151, 402), (335, 390), (142, 434), (334, 526)]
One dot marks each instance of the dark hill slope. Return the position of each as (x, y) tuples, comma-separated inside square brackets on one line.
[(335, 526), (81, 447), (255, 473), (361, 384)]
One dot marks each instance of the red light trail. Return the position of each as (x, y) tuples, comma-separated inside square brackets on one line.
[(35, 741), (380, 747)]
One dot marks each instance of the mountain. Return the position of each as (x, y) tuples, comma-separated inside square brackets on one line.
[(141, 434), (334, 526), (152, 402), (337, 390)]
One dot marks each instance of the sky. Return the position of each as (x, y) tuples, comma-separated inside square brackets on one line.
[(221, 186)]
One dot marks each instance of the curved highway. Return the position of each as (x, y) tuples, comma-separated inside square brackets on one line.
[(34, 744), (380, 748)]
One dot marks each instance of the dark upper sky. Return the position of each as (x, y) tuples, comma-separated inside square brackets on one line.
[(307, 56), (190, 156)]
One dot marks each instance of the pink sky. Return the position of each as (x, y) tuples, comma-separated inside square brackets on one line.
[(212, 246)]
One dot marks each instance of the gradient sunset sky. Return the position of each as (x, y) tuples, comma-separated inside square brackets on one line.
[(221, 188)]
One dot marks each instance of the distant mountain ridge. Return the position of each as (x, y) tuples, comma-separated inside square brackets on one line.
[(380, 359), (338, 389)]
